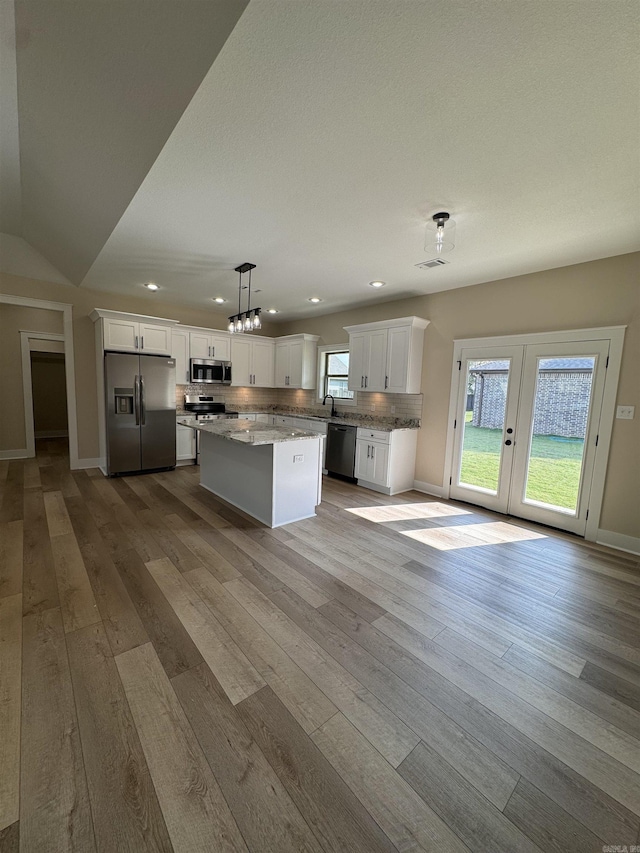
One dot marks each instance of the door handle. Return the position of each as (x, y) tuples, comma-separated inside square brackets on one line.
[(143, 410), (508, 442), (136, 398)]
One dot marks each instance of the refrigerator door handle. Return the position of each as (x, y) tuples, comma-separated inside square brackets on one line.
[(143, 410), (136, 398)]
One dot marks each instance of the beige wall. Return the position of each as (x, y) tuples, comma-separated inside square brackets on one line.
[(49, 385), (13, 320), (604, 292), (599, 293)]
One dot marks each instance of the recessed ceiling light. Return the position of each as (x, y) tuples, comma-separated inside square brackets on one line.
[(314, 299), (377, 283), (272, 311), (151, 286), (219, 299)]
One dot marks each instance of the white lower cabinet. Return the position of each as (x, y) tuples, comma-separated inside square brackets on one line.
[(372, 462), (185, 441), (386, 461)]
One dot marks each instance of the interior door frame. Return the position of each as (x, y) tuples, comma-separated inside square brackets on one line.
[(65, 309), (615, 336)]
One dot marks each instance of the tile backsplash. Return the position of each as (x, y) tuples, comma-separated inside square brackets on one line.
[(376, 405)]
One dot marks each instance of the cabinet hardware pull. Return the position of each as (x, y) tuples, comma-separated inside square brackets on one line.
[(142, 342), (361, 380), (368, 449), (372, 451), (366, 381), (386, 382), (136, 342)]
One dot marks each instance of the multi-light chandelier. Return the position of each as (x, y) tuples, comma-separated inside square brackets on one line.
[(249, 320)]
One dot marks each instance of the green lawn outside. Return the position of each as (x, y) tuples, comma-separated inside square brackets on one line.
[(554, 469)]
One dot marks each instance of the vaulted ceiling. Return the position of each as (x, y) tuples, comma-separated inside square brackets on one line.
[(171, 141)]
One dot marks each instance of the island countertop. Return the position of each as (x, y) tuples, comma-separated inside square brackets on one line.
[(250, 432)]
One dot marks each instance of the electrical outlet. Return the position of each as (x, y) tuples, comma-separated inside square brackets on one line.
[(625, 413), (393, 410), (373, 407), (298, 458)]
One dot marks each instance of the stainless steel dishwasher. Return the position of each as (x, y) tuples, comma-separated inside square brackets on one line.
[(341, 450)]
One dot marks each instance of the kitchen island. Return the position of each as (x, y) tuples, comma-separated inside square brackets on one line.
[(273, 473)]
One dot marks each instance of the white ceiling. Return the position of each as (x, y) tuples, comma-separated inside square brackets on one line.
[(326, 133)]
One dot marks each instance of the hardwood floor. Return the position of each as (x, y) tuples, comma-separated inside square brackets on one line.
[(396, 674)]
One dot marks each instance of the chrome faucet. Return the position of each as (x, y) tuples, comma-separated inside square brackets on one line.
[(333, 404)]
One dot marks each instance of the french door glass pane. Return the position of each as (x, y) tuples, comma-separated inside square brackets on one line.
[(486, 387), (560, 420)]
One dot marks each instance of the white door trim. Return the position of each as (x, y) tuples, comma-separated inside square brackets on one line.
[(27, 386), (69, 361), (615, 336)]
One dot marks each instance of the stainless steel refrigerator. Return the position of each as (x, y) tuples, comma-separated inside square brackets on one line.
[(141, 412)]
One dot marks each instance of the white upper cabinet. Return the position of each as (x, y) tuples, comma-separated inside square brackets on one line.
[(180, 352), (252, 361), (210, 345), (295, 361), (133, 333), (155, 339), (387, 356)]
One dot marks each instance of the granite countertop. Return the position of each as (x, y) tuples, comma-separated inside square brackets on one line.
[(354, 419), (250, 432)]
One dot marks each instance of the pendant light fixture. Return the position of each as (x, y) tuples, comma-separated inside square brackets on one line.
[(249, 320), (440, 234)]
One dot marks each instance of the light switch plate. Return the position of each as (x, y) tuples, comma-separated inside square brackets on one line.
[(625, 413)]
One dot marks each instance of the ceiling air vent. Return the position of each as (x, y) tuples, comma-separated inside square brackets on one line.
[(434, 262)]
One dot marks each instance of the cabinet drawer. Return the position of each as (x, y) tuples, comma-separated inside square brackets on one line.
[(374, 435)]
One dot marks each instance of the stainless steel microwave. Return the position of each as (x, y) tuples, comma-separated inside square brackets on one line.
[(204, 371)]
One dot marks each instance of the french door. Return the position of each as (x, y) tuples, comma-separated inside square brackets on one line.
[(526, 429)]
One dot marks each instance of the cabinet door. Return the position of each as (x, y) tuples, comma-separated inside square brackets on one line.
[(185, 443), (296, 355), (240, 361), (200, 343), (221, 347), (263, 357), (377, 363), (379, 463), (180, 352), (121, 335), (282, 365), (155, 339), (358, 353), (363, 465), (398, 342)]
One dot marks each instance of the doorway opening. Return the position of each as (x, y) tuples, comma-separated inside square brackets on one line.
[(49, 394)]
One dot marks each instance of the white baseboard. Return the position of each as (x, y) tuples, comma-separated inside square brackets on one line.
[(52, 433), (430, 489), (14, 454), (631, 544), (88, 463)]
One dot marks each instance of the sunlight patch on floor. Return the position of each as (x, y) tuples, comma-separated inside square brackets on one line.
[(405, 512), (472, 535)]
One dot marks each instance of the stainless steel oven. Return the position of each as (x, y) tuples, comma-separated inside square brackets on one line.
[(209, 372)]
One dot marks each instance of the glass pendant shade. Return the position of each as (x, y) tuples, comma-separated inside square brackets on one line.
[(440, 235)]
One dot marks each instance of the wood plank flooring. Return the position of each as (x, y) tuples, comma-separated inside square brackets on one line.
[(395, 674)]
